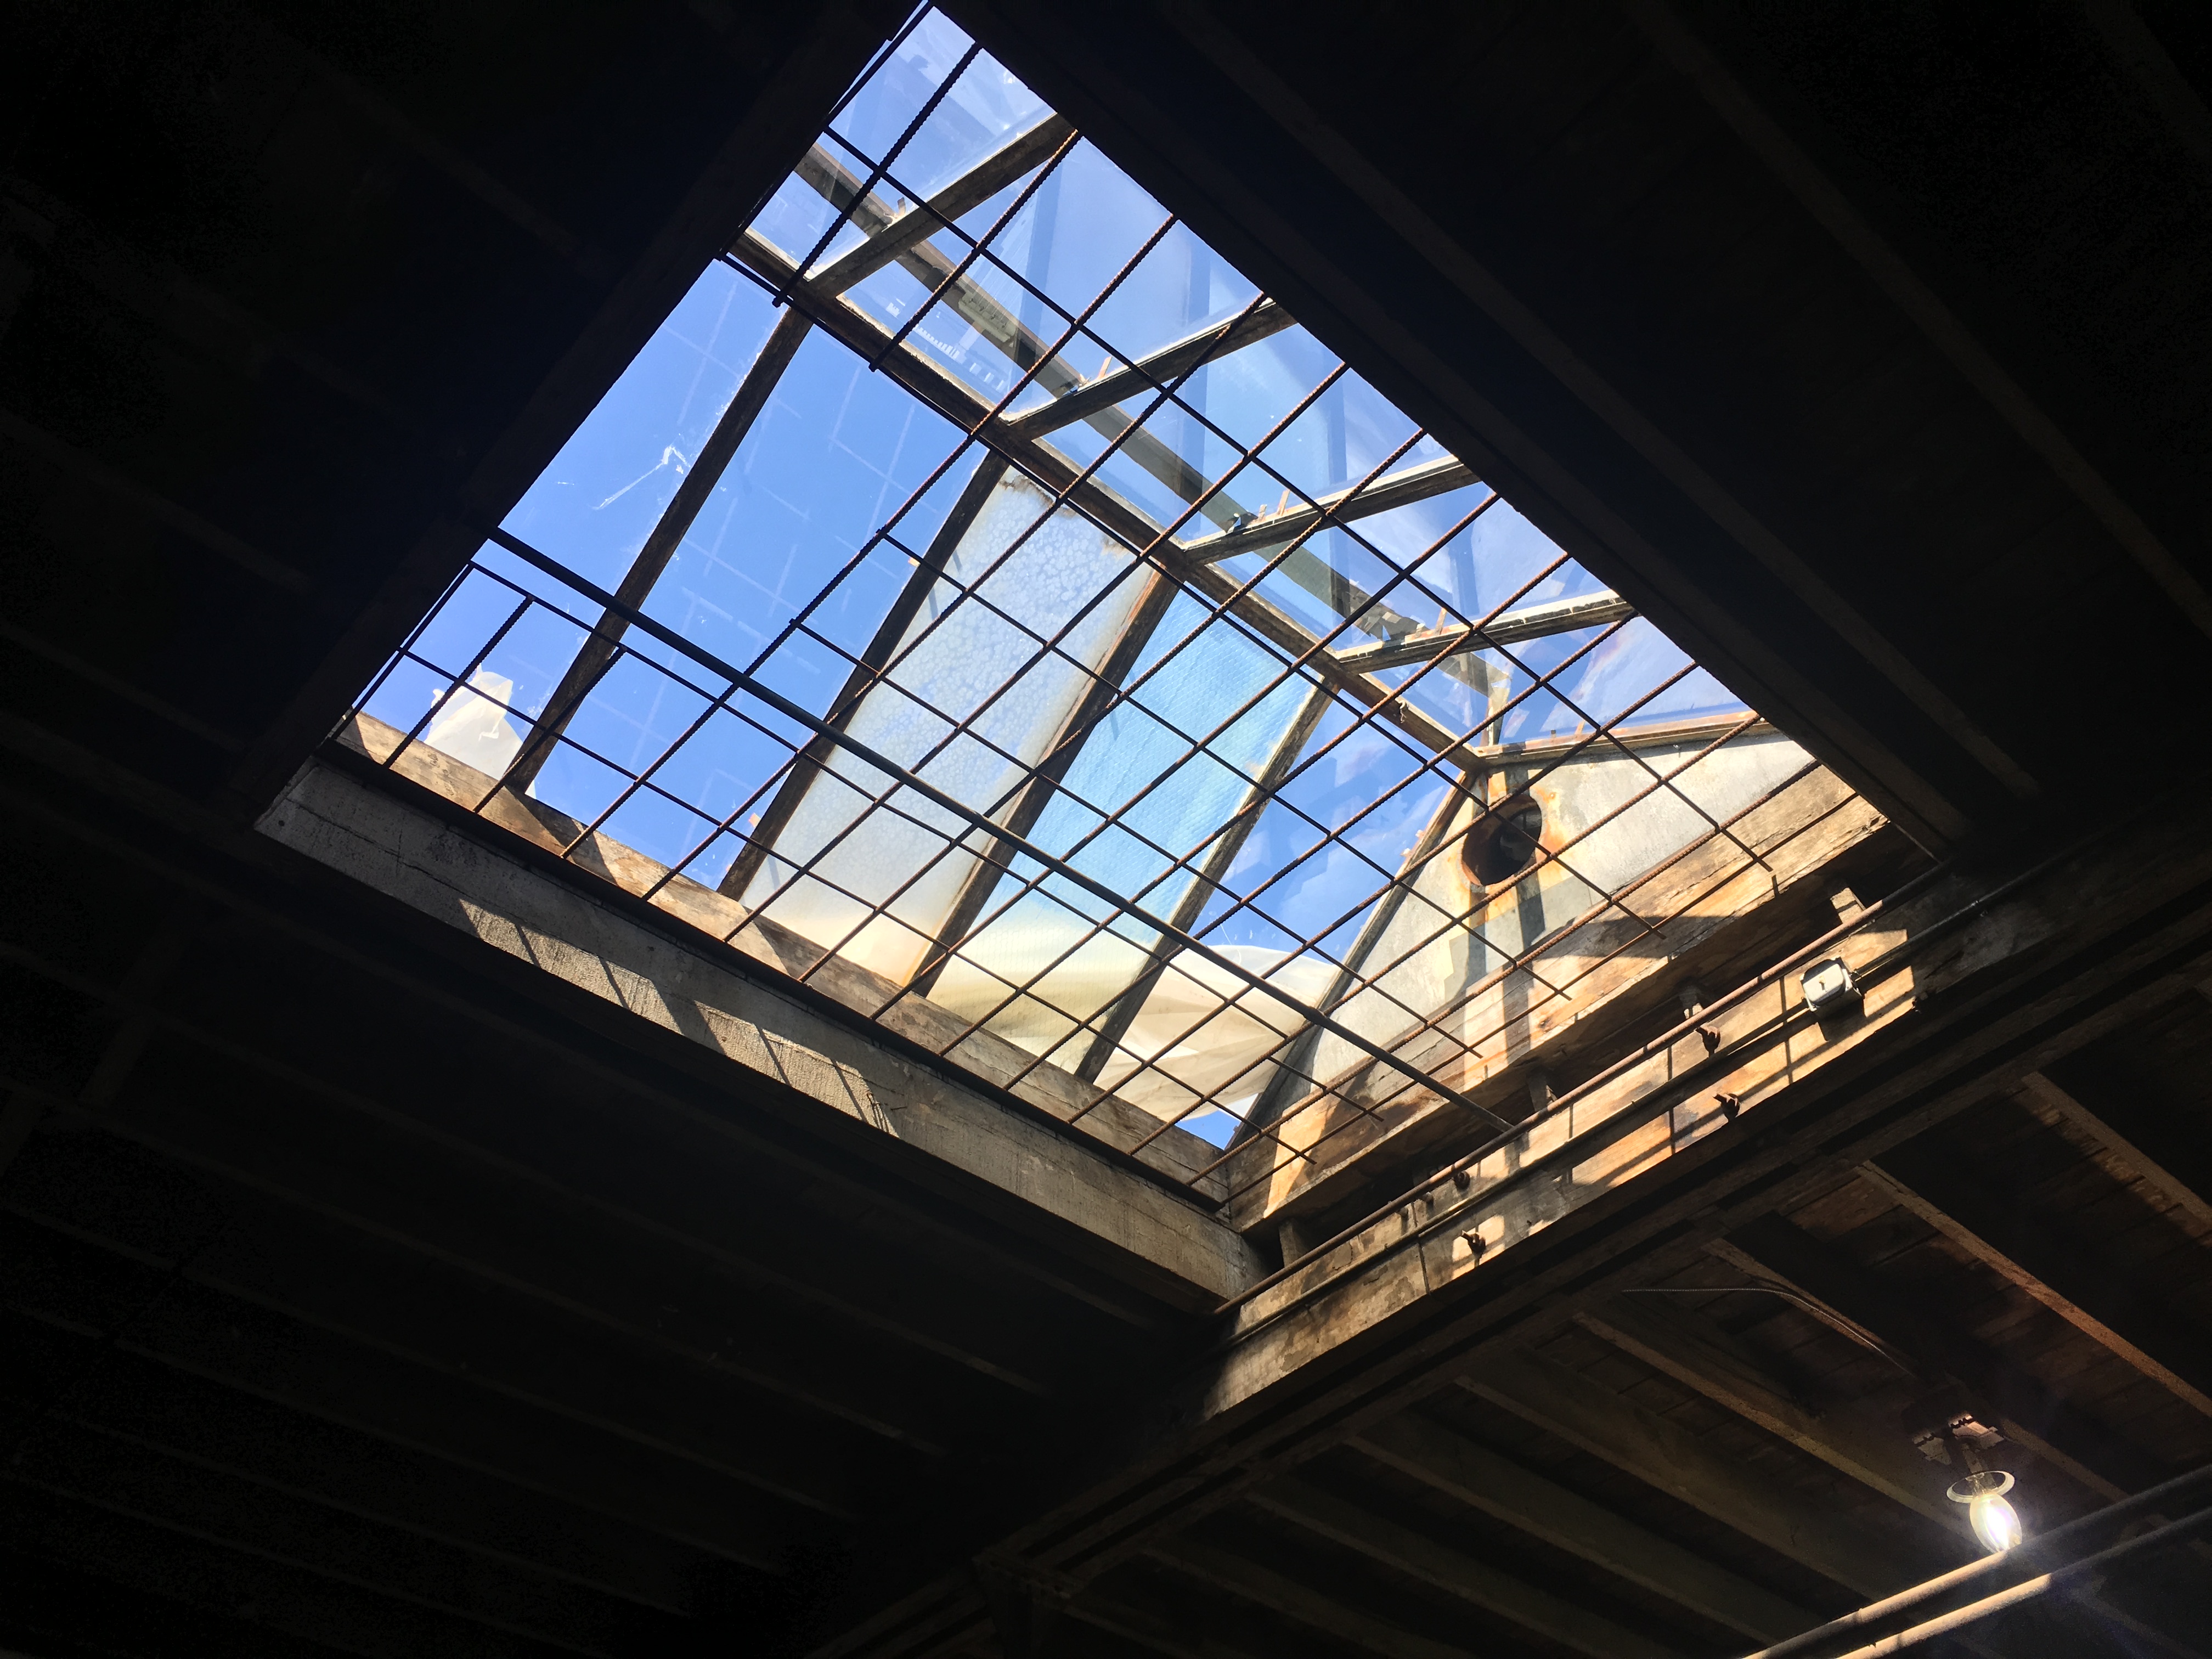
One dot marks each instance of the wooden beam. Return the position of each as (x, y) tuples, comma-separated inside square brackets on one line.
[(2029, 1411), (1866, 1446), (2067, 1279), (441, 1211), (890, 239), (2037, 1089), (1419, 1556), (1713, 900), (1496, 1485), (2128, 914), (1665, 1455), (126, 1478), (79, 1381), (417, 1310), (1299, 1602), (72, 1288)]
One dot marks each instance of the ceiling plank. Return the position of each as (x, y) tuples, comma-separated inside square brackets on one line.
[(422, 1312), (1496, 1485), (120, 1477), (1665, 1455), (1299, 1602), (1457, 1574), (65, 1285), (1689, 1349), (1775, 1248), (2039, 1089), (71, 1378), (1928, 1182)]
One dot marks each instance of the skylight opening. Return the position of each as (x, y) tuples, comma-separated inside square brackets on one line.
[(980, 601)]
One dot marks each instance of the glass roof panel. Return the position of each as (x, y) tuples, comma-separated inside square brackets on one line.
[(1005, 602)]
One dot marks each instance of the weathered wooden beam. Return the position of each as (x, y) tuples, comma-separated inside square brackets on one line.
[(1147, 374), (1496, 1485), (1419, 1556), (1534, 621), (2155, 1162), (1867, 1446), (2069, 1280), (1712, 895), (2029, 1410), (1665, 1455), (1300, 1602), (2133, 911), (772, 1036), (888, 239), (126, 1478), (76, 1379), (71, 1287), (416, 1313)]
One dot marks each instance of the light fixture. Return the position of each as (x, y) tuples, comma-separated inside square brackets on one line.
[(1994, 1522), (1947, 1426)]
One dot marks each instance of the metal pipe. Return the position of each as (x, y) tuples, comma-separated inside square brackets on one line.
[(2027, 1591)]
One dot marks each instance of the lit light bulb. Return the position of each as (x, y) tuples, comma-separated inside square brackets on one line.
[(1994, 1522)]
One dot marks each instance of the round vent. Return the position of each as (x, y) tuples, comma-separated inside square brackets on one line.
[(1504, 843)]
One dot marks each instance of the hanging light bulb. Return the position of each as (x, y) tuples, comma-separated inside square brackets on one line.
[(1994, 1522)]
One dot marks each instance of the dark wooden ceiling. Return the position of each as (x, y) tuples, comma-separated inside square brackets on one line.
[(362, 1292)]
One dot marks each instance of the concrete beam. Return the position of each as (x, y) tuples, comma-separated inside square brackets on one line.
[(772, 1039)]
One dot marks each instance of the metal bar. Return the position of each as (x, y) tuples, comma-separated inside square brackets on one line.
[(1384, 910), (1415, 483), (941, 391), (874, 661), (971, 593), (1150, 374), (1038, 790), (938, 95), (1227, 843), (957, 277), (741, 681), (2172, 1533), (924, 220), (2143, 1503), (597, 654), (1537, 621)]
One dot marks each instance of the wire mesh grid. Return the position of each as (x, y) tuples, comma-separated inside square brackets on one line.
[(1198, 727)]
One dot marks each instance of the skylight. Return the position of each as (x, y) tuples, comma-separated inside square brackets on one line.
[(980, 601)]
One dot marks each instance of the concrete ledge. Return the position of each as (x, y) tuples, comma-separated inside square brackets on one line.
[(405, 852)]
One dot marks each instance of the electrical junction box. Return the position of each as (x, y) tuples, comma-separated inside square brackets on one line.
[(1829, 987)]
